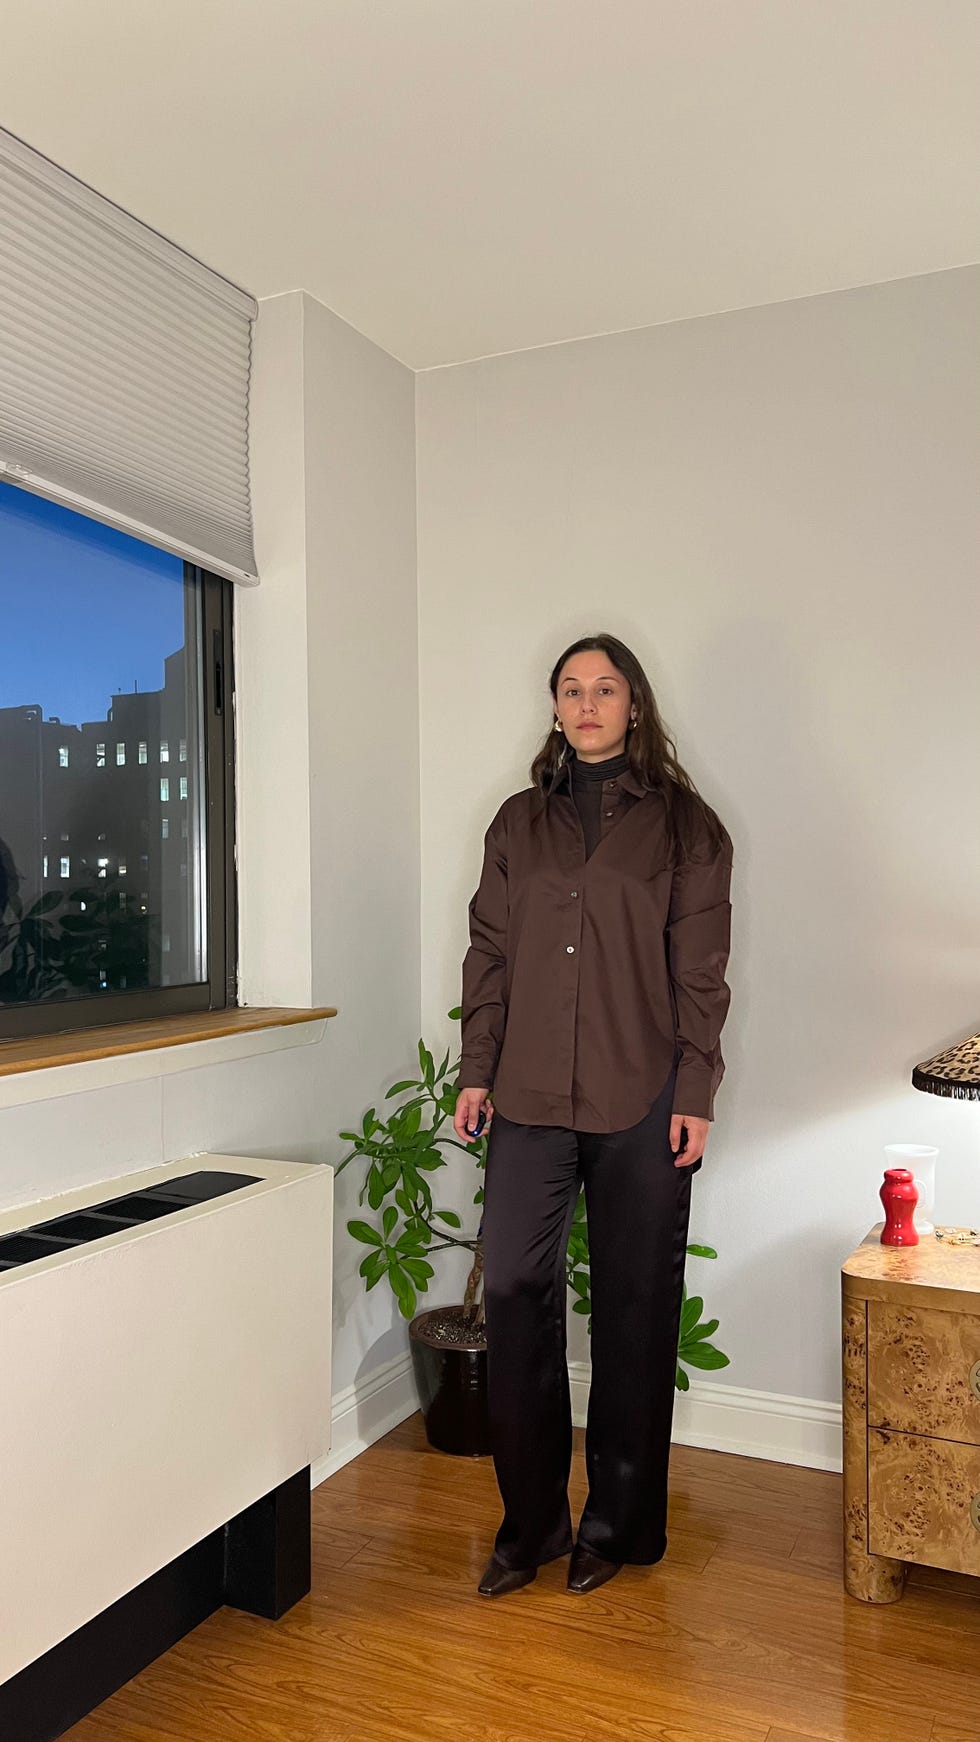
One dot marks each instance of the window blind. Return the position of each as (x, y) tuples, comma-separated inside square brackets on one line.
[(124, 369)]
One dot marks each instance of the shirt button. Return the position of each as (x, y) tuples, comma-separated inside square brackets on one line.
[(569, 949), (609, 813), (574, 894)]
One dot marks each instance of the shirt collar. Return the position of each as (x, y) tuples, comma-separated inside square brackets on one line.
[(628, 781)]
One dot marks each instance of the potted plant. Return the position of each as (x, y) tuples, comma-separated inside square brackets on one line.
[(400, 1155)]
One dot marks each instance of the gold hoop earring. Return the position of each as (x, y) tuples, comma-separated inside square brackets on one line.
[(558, 726), (632, 725)]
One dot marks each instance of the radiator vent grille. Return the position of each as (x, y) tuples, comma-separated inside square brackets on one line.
[(62, 1233)]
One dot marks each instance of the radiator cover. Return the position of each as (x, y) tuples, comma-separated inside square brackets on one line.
[(157, 1381)]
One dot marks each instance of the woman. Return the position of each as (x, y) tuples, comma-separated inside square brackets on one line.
[(594, 996)]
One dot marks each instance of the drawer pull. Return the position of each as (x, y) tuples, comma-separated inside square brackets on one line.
[(975, 1378), (975, 1512)]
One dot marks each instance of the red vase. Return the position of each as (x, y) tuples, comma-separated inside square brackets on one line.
[(899, 1197)]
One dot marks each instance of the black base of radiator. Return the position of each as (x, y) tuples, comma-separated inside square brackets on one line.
[(259, 1561)]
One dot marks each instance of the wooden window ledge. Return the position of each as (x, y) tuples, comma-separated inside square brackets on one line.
[(85, 1045)]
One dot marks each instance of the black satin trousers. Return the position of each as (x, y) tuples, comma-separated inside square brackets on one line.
[(638, 1206)]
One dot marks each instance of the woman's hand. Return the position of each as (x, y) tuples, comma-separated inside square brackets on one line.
[(468, 1108), (689, 1136)]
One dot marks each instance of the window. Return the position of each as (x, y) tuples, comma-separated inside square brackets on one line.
[(77, 951)]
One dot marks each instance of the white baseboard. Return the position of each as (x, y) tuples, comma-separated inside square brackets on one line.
[(753, 1424), (722, 1418), (365, 1412)]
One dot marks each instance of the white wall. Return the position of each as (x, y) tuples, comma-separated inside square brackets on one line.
[(777, 508)]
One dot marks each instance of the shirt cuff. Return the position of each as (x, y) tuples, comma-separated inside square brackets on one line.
[(694, 1093), (474, 1073)]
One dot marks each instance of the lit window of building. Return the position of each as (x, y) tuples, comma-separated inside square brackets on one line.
[(164, 789), (62, 756), (65, 866), (122, 867), (120, 755), (44, 868), (102, 864), (183, 750), (100, 755), (183, 786), (142, 752), (164, 750), (164, 828)]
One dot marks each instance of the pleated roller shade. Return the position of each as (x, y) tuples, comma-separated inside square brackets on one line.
[(124, 369)]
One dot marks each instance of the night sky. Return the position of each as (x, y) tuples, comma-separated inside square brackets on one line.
[(84, 610)]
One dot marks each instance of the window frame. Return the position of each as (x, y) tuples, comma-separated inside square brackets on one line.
[(220, 990)]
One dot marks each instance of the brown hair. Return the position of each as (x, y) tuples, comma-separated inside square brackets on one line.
[(649, 745)]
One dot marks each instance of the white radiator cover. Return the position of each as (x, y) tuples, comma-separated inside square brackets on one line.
[(154, 1385)]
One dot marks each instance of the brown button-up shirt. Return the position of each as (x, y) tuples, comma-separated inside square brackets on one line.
[(588, 977)]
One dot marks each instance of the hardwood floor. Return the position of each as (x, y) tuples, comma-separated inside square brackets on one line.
[(743, 1634)]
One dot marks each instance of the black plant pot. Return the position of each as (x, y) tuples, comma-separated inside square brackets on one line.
[(452, 1384)]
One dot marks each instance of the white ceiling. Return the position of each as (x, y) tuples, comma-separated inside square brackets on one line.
[(462, 177)]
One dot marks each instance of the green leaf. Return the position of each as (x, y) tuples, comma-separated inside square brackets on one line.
[(412, 1120), (478, 1196), (369, 1122), (404, 1202), (391, 1173), (350, 1136), (681, 1381), (404, 1292), (704, 1355), (702, 1252), (581, 1306), (419, 1271), (389, 1219), (691, 1312), (455, 1013), (449, 1216), (375, 1189), (698, 1334), (442, 1068), (580, 1284), (372, 1267), (399, 1088), (364, 1231)]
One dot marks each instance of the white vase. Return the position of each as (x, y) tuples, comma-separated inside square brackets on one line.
[(920, 1158)]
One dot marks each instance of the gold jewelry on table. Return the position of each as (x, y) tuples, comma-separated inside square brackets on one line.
[(959, 1236)]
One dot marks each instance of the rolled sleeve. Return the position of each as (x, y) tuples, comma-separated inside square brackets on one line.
[(698, 944), (484, 1000)]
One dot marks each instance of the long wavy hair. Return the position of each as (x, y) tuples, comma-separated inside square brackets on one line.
[(649, 745)]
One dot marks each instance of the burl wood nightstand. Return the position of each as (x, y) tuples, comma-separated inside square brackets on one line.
[(911, 1359)]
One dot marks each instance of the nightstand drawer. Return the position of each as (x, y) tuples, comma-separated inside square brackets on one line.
[(924, 1372), (923, 1499)]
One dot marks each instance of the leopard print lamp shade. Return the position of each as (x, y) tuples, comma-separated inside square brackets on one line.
[(955, 1072)]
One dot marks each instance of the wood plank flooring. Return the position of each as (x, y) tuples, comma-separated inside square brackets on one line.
[(743, 1634)]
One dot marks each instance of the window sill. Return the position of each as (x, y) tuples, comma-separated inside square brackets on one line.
[(50, 1065)]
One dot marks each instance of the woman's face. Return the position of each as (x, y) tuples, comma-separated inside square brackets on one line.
[(594, 706)]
